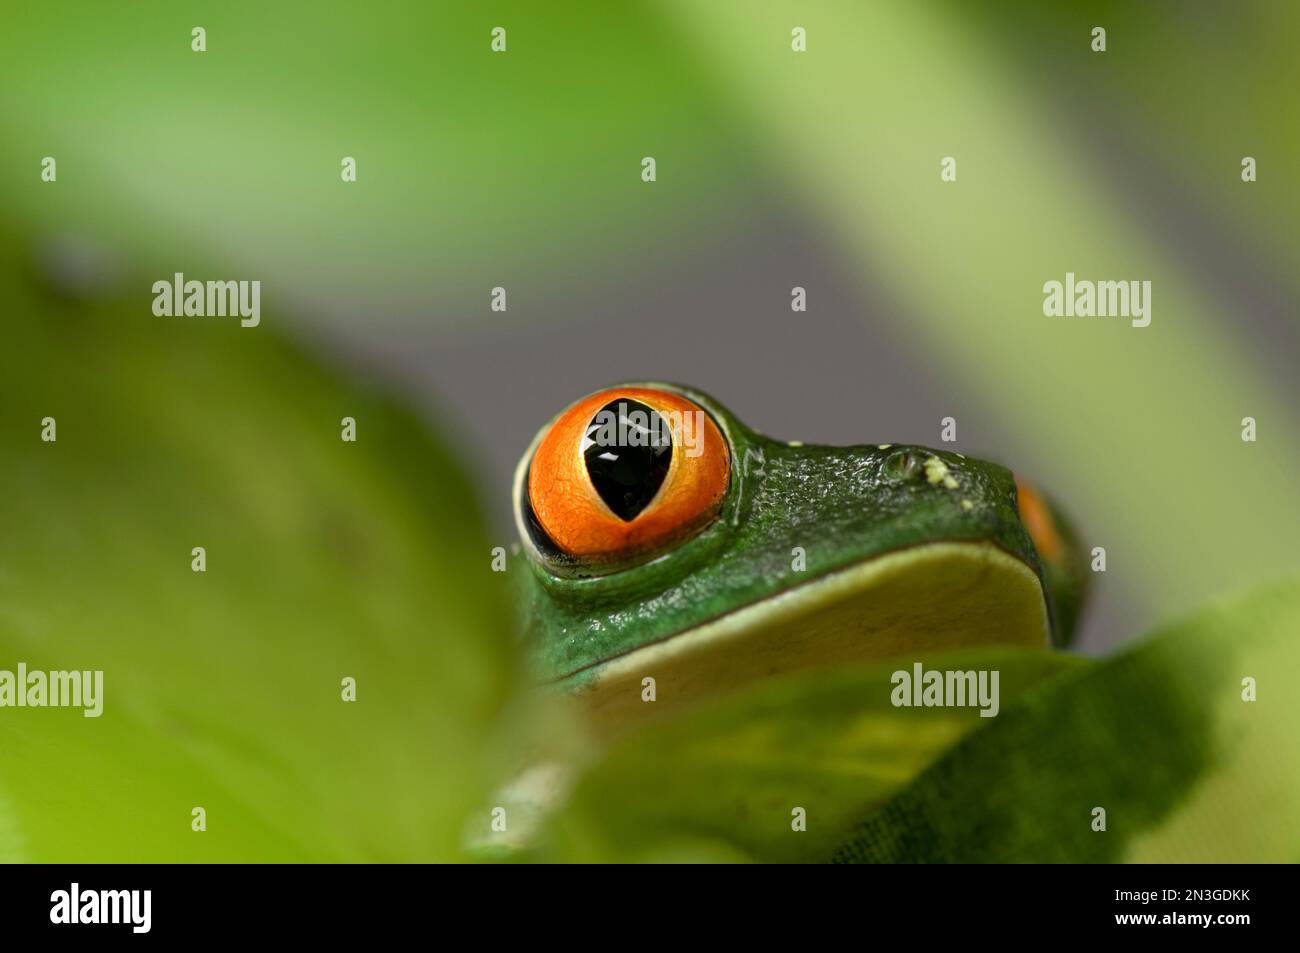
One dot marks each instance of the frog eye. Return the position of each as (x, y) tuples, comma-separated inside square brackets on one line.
[(627, 471), (1037, 517)]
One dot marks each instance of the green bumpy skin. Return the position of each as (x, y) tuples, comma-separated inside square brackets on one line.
[(842, 505)]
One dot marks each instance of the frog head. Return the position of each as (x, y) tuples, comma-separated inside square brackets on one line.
[(667, 541)]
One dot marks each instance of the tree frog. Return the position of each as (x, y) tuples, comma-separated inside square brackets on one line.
[(675, 554)]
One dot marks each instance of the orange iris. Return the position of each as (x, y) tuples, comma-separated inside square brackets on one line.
[(569, 506)]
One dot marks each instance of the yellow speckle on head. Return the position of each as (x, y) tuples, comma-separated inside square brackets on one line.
[(967, 505), (936, 472), (883, 446), (794, 443)]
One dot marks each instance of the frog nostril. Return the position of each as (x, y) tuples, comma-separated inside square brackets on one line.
[(902, 465)]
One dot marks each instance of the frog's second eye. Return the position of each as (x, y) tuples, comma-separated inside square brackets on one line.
[(1037, 517), (627, 471)]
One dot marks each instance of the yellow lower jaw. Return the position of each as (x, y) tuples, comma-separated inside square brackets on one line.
[(919, 600)]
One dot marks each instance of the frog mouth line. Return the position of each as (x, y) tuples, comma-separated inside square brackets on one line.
[(925, 597)]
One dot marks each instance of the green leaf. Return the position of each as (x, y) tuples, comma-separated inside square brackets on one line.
[(1160, 737), (724, 781), (222, 688), (237, 150)]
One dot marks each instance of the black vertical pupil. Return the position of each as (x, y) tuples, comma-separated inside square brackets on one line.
[(627, 448)]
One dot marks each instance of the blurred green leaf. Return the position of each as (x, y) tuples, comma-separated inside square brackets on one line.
[(471, 164), (325, 559), (724, 780), (1160, 737)]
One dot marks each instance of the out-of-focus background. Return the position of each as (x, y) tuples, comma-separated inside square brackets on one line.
[(775, 169)]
